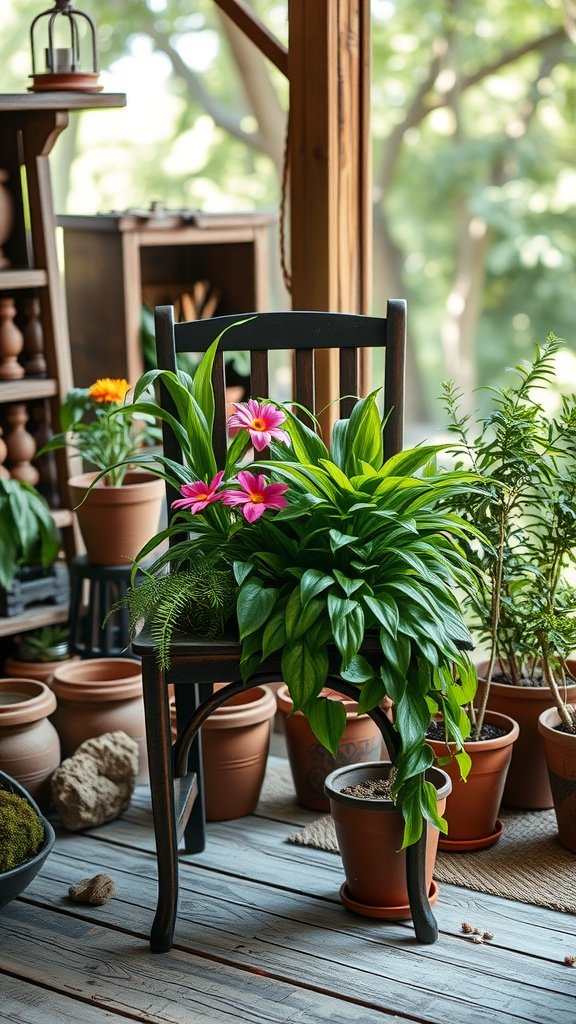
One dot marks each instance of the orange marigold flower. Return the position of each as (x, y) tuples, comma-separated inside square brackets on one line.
[(107, 389)]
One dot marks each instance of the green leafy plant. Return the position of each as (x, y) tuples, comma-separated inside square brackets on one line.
[(525, 605), (329, 547), (49, 643), (21, 830), (105, 441), (28, 536)]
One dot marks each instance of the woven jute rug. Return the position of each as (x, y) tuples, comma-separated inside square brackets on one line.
[(527, 863)]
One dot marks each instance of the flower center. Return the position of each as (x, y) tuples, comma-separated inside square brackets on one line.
[(203, 497), (258, 424), (256, 497)]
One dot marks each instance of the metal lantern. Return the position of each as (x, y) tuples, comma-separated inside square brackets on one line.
[(63, 70)]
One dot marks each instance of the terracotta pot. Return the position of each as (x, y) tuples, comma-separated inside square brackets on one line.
[(369, 834), (472, 808), (560, 749), (527, 783), (116, 522), (29, 744), (96, 696), (43, 671), (310, 762), (14, 881), (235, 741)]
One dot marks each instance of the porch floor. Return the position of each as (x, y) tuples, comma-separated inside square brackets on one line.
[(262, 937)]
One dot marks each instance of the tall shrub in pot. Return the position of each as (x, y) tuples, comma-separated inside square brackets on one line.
[(524, 609)]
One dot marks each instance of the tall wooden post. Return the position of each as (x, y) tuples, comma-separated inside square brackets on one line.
[(330, 166)]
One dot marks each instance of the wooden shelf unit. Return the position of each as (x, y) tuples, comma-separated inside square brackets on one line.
[(30, 123), (112, 259)]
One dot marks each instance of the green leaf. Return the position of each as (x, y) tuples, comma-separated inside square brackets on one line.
[(254, 605), (371, 695), (348, 585), (364, 442), (274, 635), (313, 582), (298, 619), (340, 540), (304, 671), (358, 670), (385, 610), (241, 571), (327, 719)]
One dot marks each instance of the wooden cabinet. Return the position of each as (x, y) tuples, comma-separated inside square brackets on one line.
[(29, 126), (115, 262)]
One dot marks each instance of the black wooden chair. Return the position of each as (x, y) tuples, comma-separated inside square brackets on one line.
[(175, 769)]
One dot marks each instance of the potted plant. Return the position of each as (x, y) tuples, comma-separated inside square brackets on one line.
[(26, 838), (334, 552), (29, 546), (523, 609), (118, 506), (38, 652)]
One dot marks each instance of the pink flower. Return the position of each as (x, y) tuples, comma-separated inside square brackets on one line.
[(196, 496), (261, 422), (256, 495)]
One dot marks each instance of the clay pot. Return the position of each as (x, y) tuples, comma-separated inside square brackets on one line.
[(96, 696), (560, 750), (235, 742), (369, 834), (527, 783), (116, 522), (43, 671), (310, 762), (472, 808), (29, 744)]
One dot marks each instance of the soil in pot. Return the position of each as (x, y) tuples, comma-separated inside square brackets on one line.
[(100, 695), (29, 743), (369, 830), (310, 762), (560, 752), (472, 808), (527, 783)]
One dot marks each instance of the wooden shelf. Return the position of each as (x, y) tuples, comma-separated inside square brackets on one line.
[(27, 389), (12, 280), (34, 618), (20, 102)]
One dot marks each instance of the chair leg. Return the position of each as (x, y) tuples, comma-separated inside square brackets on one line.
[(163, 810), (423, 919), (188, 698)]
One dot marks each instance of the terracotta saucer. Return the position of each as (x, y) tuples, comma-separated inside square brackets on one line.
[(464, 845), (384, 913)]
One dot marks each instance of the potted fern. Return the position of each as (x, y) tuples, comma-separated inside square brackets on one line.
[(523, 611)]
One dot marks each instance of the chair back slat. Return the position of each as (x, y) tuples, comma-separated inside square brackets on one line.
[(304, 371), (259, 378), (348, 380), (219, 435)]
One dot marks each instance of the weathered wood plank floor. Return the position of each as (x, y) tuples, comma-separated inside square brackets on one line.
[(261, 937)]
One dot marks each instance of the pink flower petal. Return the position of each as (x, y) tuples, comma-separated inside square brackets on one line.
[(253, 512)]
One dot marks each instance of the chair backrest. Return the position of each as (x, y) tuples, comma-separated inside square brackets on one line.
[(300, 333)]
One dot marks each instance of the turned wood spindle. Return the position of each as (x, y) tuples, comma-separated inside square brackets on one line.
[(3, 453), (21, 445), (41, 417), (34, 361), (11, 342)]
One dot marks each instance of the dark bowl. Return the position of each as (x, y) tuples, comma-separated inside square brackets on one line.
[(13, 882)]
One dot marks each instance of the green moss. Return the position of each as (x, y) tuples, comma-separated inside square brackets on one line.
[(21, 831)]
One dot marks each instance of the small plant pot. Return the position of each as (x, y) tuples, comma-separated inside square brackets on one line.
[(29, 744), (16, 880), (310, 762), (560, 749), (527, 783), (96, 696), (369, 834), (43, 671), (116, 522), (235, 742), (472, 807)]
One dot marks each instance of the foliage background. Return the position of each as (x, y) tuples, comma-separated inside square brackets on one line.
[(474, 152)]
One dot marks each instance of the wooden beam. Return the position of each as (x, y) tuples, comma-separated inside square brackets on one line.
[(243, 16), (330, 167)]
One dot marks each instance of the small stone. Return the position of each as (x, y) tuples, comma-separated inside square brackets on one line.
[(488, 935), (477, 940), (477, 931), (95, 891), (570, 961), (467, 928)]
